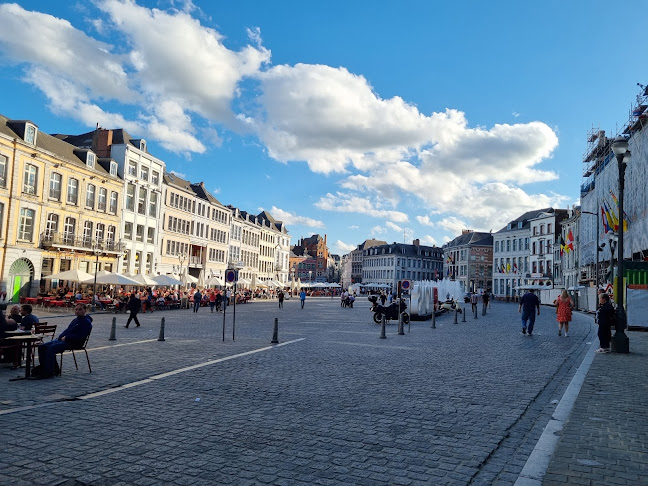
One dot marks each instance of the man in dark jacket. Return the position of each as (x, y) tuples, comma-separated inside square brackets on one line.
[(133, 306), (72, 338), (605, 317)]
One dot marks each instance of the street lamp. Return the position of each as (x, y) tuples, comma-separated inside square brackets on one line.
[(96, 250), (620, 342)]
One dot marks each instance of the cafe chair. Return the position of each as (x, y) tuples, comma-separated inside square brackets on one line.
[(48, 331), (80, 348)]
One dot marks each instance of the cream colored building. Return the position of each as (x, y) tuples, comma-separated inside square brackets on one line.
[(59, 209)]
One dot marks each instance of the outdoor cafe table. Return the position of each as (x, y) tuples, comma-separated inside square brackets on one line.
[(31, 300), (29, 340)]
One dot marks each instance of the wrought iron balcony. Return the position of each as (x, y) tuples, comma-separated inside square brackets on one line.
[(70, 242)]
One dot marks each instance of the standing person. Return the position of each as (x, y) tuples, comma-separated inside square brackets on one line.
[(28, 319), (528, 305), (485, 300), (197, 298), (133, 306), (219, 300), (605, 317), (212, 300), (383, 298), (302, 298), (280, 295), (73, 337), (149, 299), (564, 306), (474, 298)]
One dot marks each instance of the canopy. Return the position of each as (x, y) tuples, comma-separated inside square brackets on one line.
[(166, 280), (243, 281), (215, 281), (190, 278), (335, 285), (112, 279), (143, 280), (275, 283), (72, 275), (319, 285)]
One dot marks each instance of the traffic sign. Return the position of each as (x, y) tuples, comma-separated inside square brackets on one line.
[(406, 284), (230, 275)]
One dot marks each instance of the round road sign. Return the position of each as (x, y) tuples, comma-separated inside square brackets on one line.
[(230, 276), (406, 284)]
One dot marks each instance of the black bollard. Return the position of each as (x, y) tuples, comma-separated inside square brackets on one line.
[(161, 337), (463, 312), (275, 332), (382, 328), (455, 317), (433, 319), (401, 326), (113, 330)]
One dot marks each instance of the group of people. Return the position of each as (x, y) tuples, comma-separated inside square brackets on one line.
[(605, 315), (348, 298)]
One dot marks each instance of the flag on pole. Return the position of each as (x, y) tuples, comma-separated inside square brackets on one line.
[(604, 219), (515, 267), (562, 245), (625, 216), (570, 241), (508, 267)]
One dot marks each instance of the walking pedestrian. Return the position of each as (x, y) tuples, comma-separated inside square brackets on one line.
[(212, 300), (133, 306), (564, 305), (219, 300), (474, 298), (197, 298), (485, 299), (605, 317), (528, 305), (280, 295), (302, 298)]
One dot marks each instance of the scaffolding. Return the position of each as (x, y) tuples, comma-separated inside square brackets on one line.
[(638, 116)]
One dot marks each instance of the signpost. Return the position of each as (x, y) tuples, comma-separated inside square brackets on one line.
[(230, 277)]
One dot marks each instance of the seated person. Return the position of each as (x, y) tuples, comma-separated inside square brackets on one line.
[(11, 352), (72, 338), (28, 319), (78, 295), (98, 302), (14, 316)]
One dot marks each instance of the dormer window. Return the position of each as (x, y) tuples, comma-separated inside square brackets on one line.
[(113, 169), (90, 160), (30, 134), (143, 145)]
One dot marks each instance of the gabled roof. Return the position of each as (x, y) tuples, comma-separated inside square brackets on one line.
[(51, 144), (119, 137), (524, 219), (473, 238)]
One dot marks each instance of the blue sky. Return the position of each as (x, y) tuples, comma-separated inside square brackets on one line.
[(353, 119)]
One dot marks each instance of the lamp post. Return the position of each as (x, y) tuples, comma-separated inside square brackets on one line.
[(96, 250), (182, 257), (620, 342)]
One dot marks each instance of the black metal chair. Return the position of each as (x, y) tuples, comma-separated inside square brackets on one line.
[(80, 348)]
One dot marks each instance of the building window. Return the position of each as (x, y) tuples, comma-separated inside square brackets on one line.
[(153, 204), (55, 186), (141, 201), (113, 169), (150, 237), (1, 217), (113, 202), (155, 178), (30, 179), (130, 197), (51, 227), (3, 171), (110, 235), (90, 160), (128, 231), (100, 232), (90, 196), (132, 168), (73, 191), (144, 174), (68, 230), (30, 134), (87, 233), (26, 224), (101, 203), (139, 236)]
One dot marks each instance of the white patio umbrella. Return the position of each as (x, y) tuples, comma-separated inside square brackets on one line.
[(335, 285), (215, 281), (144, 280), (112, 279), (166, 280), (244, 282), (71, 275)]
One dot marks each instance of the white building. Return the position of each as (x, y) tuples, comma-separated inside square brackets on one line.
[(544, 259)]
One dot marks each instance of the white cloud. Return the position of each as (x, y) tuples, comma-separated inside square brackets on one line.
[(377, 230), (354, 227), (429, 240), (393, 226), (452, 224), (178, 174), (289, 218), (349, 203), (343, 248), (425, 220)]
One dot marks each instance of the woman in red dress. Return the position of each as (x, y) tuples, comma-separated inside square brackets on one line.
[(564, 306)]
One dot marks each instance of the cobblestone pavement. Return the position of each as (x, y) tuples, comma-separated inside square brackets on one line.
[(333, 404), (605, 441)]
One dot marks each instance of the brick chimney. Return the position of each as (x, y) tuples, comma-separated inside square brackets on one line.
[(416, 242), (102, 141)]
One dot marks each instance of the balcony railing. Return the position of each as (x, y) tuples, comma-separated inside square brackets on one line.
[(66, 240)]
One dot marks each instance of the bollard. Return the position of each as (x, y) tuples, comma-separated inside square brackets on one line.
[(161, 338), (433, 319), (455, 317), (401, 326), (275, 332), (463, 312), (113, 330), (382, 328)]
